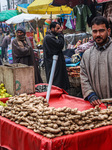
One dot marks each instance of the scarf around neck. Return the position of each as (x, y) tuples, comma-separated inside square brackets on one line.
[(21, 40)]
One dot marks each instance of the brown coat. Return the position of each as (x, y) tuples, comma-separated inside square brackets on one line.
[(96, 72), (25, 56)]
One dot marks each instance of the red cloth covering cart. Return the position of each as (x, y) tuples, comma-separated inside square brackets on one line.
[(16, 137)]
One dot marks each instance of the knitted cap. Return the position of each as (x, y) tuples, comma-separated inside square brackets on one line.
[(21, 29)]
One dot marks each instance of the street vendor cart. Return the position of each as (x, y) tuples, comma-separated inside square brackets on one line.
[(16, 137)]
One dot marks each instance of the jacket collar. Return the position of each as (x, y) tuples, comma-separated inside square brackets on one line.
[(104, 47)]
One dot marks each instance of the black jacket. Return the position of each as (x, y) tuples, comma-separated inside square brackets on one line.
[(25, 56), (53, 45)]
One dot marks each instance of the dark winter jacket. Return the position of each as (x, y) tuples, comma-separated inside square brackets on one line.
[(53, 45), (25, 56)]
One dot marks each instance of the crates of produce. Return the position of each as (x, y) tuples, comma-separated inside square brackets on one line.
[(18, 78), (74, 76), (3, 91)]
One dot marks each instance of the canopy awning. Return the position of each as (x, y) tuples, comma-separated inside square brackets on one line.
[(50, 10), (47, 16), (23, 18), (22, 8), (5, 15), (41, 4)]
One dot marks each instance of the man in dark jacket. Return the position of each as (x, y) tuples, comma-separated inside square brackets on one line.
[(53, 45), (22, 52), (1, 36)]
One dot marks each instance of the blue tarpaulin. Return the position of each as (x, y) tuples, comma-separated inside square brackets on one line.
[(23, 5)]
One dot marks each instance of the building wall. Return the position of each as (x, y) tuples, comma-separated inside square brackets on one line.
[(3, 5), (16, 2), (13, 3)]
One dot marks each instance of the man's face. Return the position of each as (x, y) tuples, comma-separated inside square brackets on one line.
[(100, 34), (20, 33), (56, 30)]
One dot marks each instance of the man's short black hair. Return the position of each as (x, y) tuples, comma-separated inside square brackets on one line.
[(100, 20), (53, 24)]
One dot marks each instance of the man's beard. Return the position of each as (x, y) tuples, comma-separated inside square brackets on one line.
[(103, 42), (21, 37), (55, 33)]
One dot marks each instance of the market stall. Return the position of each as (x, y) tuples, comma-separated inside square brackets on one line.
[(19, 137), (14, 135), (25, 20)]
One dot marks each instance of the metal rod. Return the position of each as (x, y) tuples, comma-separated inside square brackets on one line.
[(55, 58)]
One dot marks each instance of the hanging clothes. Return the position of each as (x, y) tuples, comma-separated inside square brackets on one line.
[(93, 11), (81, 12), (108, 11), (72, 23), (64, 23)]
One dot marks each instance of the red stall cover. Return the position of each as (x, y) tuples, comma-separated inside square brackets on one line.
[(16, 137), (4, 99)]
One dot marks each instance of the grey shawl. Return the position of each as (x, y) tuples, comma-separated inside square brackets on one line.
[(96, 72)]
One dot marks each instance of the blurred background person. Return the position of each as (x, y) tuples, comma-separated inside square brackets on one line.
[(6, 41), (53, 45), (1, 39), (22, 52), (1, 36)]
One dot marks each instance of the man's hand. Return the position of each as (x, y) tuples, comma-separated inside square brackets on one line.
[(93, 99), (96, 102), (60, 30)]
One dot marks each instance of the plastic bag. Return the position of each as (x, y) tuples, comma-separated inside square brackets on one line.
[(68, 23)]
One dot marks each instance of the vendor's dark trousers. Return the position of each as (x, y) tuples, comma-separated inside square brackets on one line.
[(4, 53)]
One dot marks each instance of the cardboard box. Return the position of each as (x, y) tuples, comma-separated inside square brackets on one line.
[(18, 78)]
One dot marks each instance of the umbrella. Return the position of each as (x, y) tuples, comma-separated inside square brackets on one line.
[(42, 4), (45, 6), (47, 16), (23, 18), (22, 8), (5, 15), (51, 9)]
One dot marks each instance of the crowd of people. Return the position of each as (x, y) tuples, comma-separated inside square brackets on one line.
[(95, 65)]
